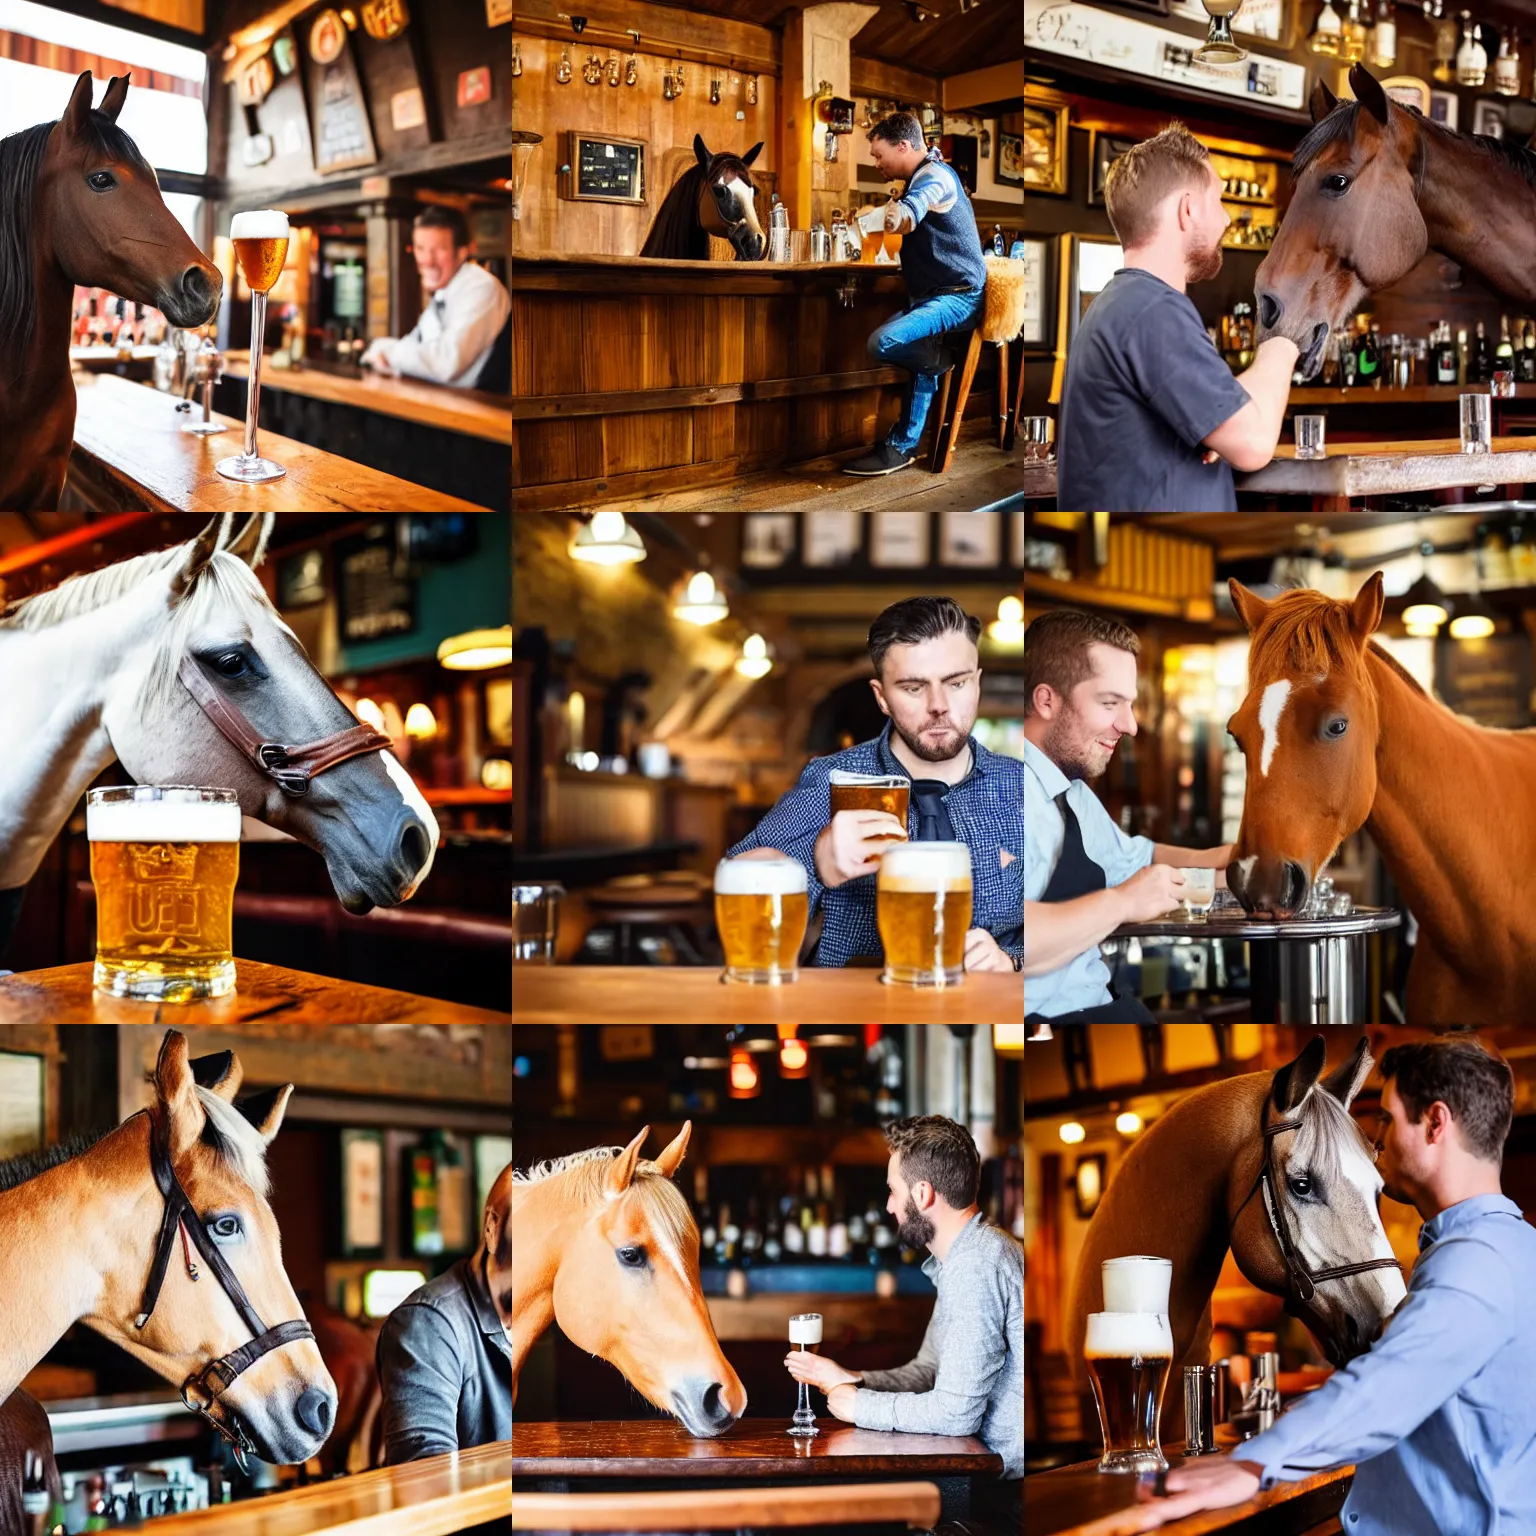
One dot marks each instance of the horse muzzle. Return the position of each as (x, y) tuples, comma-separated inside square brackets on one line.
[(1269, 887)]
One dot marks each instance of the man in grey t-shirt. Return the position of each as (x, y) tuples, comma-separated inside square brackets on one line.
[(968, 1376)]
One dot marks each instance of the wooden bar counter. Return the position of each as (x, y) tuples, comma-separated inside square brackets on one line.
[(131, 456)]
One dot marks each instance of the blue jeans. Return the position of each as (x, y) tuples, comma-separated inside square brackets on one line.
[(915, 340)]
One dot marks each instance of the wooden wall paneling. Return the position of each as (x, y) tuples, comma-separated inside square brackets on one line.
[(388, 68), (457, 38), (611, 349), (556, 359), (559, 450), (877, 77), (714, 432)]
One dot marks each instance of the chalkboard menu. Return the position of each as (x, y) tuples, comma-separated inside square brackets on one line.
[(375, 595), (1487, 680), (339, 126), (604, 170)]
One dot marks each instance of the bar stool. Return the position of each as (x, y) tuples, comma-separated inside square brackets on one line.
[(1002, 319)]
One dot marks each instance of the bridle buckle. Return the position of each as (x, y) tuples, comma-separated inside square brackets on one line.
[(273, 757)]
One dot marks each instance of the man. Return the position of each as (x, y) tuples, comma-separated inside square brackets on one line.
[(467, 309), (1083, 876), (945, 272), (1438, 1415), (927, 683), (1151, 416), (445, 1353), (968, 1376)]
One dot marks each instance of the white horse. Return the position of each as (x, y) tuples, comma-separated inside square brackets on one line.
[(88, 674)]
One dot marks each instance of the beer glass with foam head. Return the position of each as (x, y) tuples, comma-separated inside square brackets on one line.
[(164, 859), (923, 909), (760, 910), (1129, 1356), (870, 792), (261, 248)]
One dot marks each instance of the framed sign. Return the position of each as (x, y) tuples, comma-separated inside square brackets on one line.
[(899, 541), (1039, 294), (339, 125), (1444, 108), (600, 169), (362, 1192), (1103, 150), (970, 538), (23, 1082), (767, 539), (1038, 159)]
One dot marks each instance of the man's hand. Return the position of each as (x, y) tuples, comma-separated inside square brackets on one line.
[(1212, 1482), (895, 218), (820, 1372), (851, 843), (1150, 892), (378, 354), (982, 953), (840, 1402)]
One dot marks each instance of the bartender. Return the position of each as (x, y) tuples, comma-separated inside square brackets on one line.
[(1083, 877), (467, 309)]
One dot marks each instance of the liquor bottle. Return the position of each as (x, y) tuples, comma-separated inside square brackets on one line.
[(858, 1238), (1525, 367), (816, 1237), (1325, 31), (837, 1233), (998, 246), (34, 1496), (1382, 44), (751, 1235), (728, 1238), (1471, 56), (1462, 355), (1352, 35), (791, 1207), (1504, 353), (1367, 356), (1446, 362), (426, 1233), (773, 1248), (1506, 68), (1480, 369)]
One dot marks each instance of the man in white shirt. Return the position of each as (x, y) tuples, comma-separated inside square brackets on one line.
[(465, 310), (1083, 876)]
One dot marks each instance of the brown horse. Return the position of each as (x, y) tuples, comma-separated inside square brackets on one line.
[(715, 197), (78, 204), (606, 1247), (1338, 736), (1184, 1192), (1376, 186)]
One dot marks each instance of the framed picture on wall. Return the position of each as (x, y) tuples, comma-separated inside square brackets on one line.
[(1488, 119), (1103, 150), (1040, 294), (1408, 91), (1444, 109), (1038, 159)]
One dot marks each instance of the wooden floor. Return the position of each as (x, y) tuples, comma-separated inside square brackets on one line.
[(981, 478)]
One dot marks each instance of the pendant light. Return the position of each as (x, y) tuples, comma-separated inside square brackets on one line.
[(699, 601)]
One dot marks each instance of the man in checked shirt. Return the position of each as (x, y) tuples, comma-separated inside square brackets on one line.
[(928, 683)]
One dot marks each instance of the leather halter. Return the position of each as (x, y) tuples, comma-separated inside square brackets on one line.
[(1301, 1282), (291, 767), (218, 1375)]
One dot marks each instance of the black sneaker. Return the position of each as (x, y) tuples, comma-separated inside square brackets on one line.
[(885, 460)]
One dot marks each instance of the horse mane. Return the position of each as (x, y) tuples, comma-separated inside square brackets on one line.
[(676, 233), (26, 1166), (1308, 631)]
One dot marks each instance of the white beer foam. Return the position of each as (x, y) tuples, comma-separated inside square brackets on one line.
[(1120, 1335), (263, 224), (163, 821), (760, 877), (1136, 1283), (889, 780), (805, 1330), (924, 866)]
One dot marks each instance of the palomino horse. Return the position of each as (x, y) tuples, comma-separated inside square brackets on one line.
[(1184, 1192), (608, 1248), (79, 1225), (714, 197), (1376, 185), (1338, 736), (89, 673), (78, 204)]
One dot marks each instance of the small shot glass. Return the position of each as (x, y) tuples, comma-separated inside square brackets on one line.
[(1310, 437), (1476, 423)]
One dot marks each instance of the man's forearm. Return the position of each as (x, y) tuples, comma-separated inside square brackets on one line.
[(1195, 858), (1057, 931), (1268, 382)]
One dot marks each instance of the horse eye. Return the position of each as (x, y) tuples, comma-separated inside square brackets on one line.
[(102, 181), (1336, 728), (1301, 1185), (632, 1258), (231, 664), (226, 1226), (1336, 184)]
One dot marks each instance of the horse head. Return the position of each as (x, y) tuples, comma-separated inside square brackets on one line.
[(1353, 225), (727, 199), (1308, 730)]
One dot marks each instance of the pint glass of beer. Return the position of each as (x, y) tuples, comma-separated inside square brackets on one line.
[(760, 909), (1129, 1355), (261, 247), (923, 909), (164, 860), (870, 792)]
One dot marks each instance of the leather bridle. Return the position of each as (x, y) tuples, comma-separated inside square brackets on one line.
[(1301, 1283), (290, 767), (218, 1375)]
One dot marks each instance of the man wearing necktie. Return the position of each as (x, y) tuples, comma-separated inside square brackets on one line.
[(1083, 877)]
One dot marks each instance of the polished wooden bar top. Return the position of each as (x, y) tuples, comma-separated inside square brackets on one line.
[(639, 994), (63, 995), (605, 275), (475, 413), (749, 1448), (1384, 468), (131, 456), (431, 1497), (1079, 1500), (1415, 394)]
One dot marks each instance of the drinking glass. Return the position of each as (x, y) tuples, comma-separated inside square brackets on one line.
[(761, 908), (804, 1328), (1309, 437), (923, 911), (1476, 423), (1199, 891), (261, 247), (535, 922)]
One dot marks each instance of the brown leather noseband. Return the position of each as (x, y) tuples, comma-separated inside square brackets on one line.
[(290, 767)]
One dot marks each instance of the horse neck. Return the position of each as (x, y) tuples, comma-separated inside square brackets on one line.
[(44, 362), (62, 1234), (540, 1212)]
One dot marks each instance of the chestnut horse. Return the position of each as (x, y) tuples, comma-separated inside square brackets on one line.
[(605, 1246), (1184, 1192), (714, 197), (78, 204), (1376, 186), (78, 1230), (1338, 736)]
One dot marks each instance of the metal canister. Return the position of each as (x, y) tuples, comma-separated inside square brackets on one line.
[(778, 231), (1199, 1410), (821, 247)]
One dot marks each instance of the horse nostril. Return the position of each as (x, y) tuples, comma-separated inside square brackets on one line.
[(415, 846), (313, 1411), (714, 1407), (1270, 310)]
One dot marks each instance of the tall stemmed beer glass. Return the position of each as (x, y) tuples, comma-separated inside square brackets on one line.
[(804, 1328), (261, 247)]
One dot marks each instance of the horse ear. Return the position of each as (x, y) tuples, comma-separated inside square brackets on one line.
[(1321, 102), (199, 553), (1250, 608), (671, 1157), (1296, 1079), (177, 1090), (1365, 611), (1368, 92), (250, 544), (112, 102), (220, 1073), (79, 108), (622, 1169), (1347, 1079), (265, 1110), (700, 151), (752, 153)]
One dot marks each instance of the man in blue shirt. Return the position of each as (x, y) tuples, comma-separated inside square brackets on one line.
[(928, 682), (1151, 417), (1438, 1416), (1083, 876)]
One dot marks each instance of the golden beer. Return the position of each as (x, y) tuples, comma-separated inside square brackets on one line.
[(260, 238), (870, 792), (923, 910), (164, 861), (761, 909), (261, 261)]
